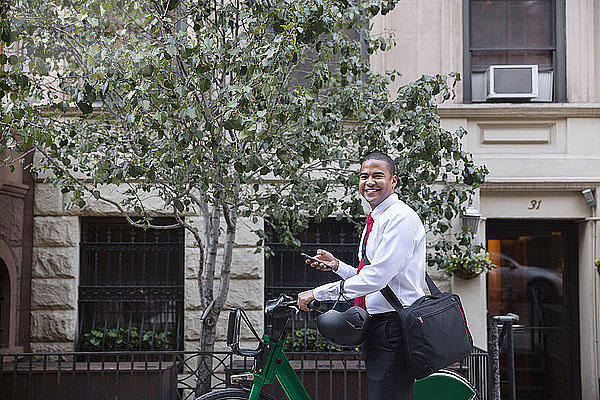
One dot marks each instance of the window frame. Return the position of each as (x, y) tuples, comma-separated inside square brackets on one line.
[(558, 55)]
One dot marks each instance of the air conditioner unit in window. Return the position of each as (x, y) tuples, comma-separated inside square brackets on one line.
[(511, 82)]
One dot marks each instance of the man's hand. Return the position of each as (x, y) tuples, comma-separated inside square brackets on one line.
[(326, 258), (304, 298)]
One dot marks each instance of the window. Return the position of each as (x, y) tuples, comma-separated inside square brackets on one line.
[(131, 286), (299, 76), (287, 273), (515, 32)]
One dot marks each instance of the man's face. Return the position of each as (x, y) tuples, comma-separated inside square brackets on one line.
[(375, 181)]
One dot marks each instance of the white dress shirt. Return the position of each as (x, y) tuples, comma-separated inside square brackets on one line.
[(396, 250)]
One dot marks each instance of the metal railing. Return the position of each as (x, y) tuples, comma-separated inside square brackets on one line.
[(172, 375)]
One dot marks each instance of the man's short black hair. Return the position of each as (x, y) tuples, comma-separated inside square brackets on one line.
[(379, 156)]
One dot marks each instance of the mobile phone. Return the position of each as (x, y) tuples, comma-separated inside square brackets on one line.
[(327, 267)]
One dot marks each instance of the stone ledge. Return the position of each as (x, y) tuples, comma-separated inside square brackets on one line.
[(520, 110), (52, 347)]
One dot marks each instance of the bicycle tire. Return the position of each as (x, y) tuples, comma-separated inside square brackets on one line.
[(232, 394)]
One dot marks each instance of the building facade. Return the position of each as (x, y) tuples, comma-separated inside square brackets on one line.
[(536, 129), (542, 150)]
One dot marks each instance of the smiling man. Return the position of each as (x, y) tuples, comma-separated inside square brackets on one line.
[(394, 243)]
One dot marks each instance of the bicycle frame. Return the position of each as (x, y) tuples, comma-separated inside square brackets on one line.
[(271, 363), (278, 366)]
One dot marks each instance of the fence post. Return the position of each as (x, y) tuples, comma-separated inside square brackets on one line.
[(494, 359), (507, 330)]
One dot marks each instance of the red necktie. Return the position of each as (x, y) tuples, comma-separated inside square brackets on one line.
[(360, 301)]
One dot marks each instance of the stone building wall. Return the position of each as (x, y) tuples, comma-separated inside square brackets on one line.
[(246, 288), (55, 277), (55, 272)]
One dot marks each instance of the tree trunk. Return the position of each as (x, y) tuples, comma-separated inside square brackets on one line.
[(214, 303), (204, 370)]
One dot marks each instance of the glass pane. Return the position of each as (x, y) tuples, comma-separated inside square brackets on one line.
[(530, 281), (511, 24), (482, 59)]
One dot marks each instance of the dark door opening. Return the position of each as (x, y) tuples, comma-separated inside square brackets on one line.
[(537, 279), (4, 304)]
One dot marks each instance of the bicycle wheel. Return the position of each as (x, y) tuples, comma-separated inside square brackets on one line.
[(232, 394), (444, 385)]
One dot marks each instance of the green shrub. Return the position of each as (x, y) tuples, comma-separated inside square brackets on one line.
[(474, 264), (309, 340), (128, 339)]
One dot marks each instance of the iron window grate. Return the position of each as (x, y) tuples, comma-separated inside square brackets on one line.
[(131, 286)]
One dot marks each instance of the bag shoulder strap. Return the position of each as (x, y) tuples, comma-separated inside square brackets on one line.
[(387, 292), (391, 297)]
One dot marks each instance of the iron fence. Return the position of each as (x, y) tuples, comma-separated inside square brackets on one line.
[(172, 375)]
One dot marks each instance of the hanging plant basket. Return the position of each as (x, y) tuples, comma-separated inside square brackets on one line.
[(469, 267), (463, 273)]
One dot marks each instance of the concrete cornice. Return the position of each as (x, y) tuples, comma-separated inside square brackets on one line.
[(541, 184), (529, 110)]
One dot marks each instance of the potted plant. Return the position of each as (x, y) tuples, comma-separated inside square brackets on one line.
[(469, 266)]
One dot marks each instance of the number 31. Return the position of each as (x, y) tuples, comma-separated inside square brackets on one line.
[(534, 205)]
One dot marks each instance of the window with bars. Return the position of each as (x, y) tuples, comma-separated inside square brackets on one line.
[(286, 272), (131, 286)]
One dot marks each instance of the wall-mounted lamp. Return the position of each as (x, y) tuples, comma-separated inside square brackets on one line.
[(588, 196), (470, 219)]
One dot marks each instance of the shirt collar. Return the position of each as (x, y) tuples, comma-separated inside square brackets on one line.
[(381, 207)]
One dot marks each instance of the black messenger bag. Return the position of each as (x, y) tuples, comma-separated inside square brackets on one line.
[(435, 330)]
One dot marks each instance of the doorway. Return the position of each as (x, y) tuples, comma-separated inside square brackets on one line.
[(536, 279)]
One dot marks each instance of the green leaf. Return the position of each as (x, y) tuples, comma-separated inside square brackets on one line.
[(85, 107)]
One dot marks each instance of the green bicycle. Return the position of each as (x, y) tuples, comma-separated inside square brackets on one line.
[(271, 363)]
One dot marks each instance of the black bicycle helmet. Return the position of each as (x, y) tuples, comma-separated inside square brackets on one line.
[(347, 328)]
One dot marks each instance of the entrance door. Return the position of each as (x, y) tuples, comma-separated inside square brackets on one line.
[(537, 280)]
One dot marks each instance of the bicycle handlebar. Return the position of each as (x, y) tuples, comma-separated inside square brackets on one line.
[(277, 312)]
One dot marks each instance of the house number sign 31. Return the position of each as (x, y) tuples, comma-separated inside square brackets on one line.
[(534, 204)]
